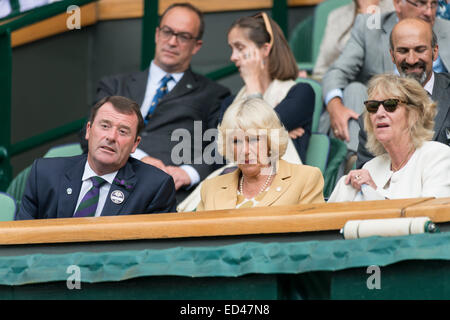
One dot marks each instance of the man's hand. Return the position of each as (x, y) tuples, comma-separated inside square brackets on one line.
[(180, 177), (154, 162), (339, 117)]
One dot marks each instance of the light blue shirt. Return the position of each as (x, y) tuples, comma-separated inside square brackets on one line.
[(155, 76)]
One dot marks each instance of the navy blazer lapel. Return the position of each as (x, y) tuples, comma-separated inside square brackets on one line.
[(441, 94), (69, 189), (120, 191), (138, 86), (186, 84), (226, 196)]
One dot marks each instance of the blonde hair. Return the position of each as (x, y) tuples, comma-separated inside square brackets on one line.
[(252, 115), (420, 109)]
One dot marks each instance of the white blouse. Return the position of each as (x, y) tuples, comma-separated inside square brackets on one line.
[(426, 174)]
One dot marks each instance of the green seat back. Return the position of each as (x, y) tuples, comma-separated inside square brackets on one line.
[(67, 150), (320, 21), (338, 152), (318, 150), (307, 36), (300, 40), (7, 207), (17, 186), (317, 101)]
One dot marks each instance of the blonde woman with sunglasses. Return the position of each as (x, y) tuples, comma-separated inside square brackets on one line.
[(399, 123)]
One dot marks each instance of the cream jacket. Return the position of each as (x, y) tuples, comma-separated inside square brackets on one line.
[(293, 184)]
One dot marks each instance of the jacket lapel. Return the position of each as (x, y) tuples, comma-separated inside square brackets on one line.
[(187, 84), (442, 95), (279, 185), (383, 173), (138, 86), (120, 191), (226, 197), (69, 189)]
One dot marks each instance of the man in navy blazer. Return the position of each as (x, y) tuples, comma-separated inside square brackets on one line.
[(57, 187)]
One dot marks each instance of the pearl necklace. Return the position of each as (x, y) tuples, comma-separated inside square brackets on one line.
[(394, 169), (264, 187)]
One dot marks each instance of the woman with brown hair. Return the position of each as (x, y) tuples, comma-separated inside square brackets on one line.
[(269, 70)]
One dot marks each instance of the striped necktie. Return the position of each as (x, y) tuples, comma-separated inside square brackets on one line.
[(160, 93), (88, 204)]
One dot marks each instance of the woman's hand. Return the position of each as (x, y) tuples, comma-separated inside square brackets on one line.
[(296, 133), (252, 68), (359, 177)]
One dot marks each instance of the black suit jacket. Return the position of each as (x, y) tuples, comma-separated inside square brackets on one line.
[(54, 185), (441, 94)]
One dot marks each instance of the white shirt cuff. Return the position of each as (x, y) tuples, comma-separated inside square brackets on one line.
[(333, 94), (192, 173), (139, 154)]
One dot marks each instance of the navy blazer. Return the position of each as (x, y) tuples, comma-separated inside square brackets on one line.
[(54, 185)]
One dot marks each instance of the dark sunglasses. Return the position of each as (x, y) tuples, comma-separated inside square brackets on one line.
[(390, 105)]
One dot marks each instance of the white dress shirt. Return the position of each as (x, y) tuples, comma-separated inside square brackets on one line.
[(87, 185)]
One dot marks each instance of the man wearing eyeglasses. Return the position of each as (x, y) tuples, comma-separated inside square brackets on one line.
[(367, 54), (172, 97), (413, 48)]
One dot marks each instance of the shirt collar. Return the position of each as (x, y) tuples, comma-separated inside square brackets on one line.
[(156, 74), (430, 84), (89, 173)]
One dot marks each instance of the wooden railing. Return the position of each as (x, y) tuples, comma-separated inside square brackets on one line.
[(122, 9), (269, 220), (53, 26), (129, 9)]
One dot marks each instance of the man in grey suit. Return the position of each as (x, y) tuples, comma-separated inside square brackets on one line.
[(367, 54), (414, 47), (177, 104)]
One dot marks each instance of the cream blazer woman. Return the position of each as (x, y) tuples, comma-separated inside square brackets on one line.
[(426, 174), (293, 184)]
